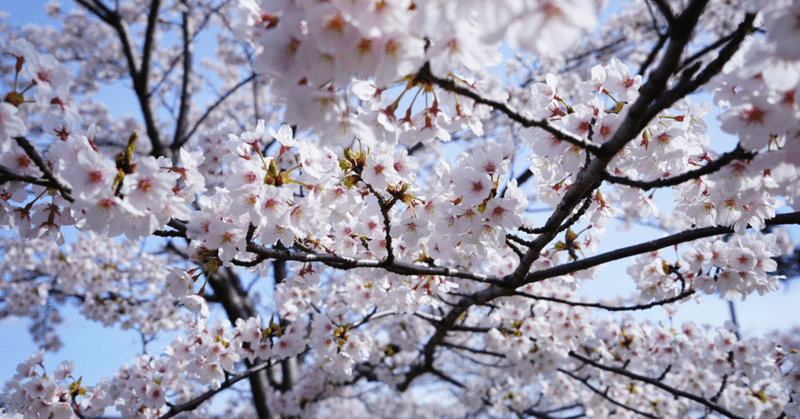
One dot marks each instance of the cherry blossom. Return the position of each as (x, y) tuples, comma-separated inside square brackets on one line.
[(346, 206)]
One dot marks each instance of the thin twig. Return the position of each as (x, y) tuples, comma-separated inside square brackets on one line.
[(670, 300), (737, 154), (194, 403), (674, 391), (425, 75), (210, 109), (603, 394)]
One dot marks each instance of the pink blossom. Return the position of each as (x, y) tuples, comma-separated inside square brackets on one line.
[(10, 126)]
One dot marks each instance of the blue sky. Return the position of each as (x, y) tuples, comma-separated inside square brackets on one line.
[(25, 12)]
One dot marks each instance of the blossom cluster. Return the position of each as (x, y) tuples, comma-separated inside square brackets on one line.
[(305, 45), (116, 284), (130, 196), (735, 268)]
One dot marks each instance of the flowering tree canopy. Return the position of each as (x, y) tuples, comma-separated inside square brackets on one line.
[(348, 206)]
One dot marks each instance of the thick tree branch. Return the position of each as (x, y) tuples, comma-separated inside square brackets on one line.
[(228, 290), (688, 85), (639, 113), (187, 33), (139, 72)]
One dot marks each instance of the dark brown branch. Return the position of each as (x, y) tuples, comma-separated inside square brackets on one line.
[(194, 403), (518, 240), (179, 226), (447, 378), (472, 350), (665, 10), (139, 72), (737, 37), (656, 383), (387, 225), (578, 214), (687, 85), (97, 8), (603, 394), (670, 300), (722, 385), (546, 415), (210, 109), (143, 80), (214, 11), (470, 329), (677, 238), (737, 154), (514, 247), (228, 289), (425, 75), (149, 37), (8, 176), (577, 60), (187, 33), (662, 37), (342, 262), (168, 233), (718, 43), (636, 119), (522, 178), (44, 167)]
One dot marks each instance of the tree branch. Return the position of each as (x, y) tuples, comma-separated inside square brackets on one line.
[(677, 238), (43, 166), (656, 383), (584, 184), (341, 262), (9, 176), (472, 350), (177, 145), (97, 8), (603, 394), (670, 300), (139, 72), (737, 154), (665, 10), (688, 85), (424, 75), (187, 29), (194, 403)]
